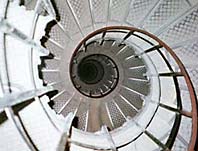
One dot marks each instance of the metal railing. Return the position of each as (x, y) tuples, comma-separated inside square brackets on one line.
[(11, 99), (130, 31)]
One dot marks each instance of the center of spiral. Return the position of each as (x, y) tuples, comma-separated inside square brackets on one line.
[(90, 71), (94, 75)]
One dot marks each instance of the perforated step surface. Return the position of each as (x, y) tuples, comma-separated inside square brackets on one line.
[(140, 98)]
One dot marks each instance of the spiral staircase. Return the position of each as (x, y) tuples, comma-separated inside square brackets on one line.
[(98, 75)]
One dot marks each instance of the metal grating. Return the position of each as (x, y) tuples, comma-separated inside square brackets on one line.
[(57, 34), (188, 51), (182, 30), (81, 11), (167, 10), (99, 10), (138, 10), (116, 116), (66, 18), (39, 124), (117, 9)]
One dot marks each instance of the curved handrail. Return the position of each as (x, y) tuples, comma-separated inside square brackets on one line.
[(182, 68)]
